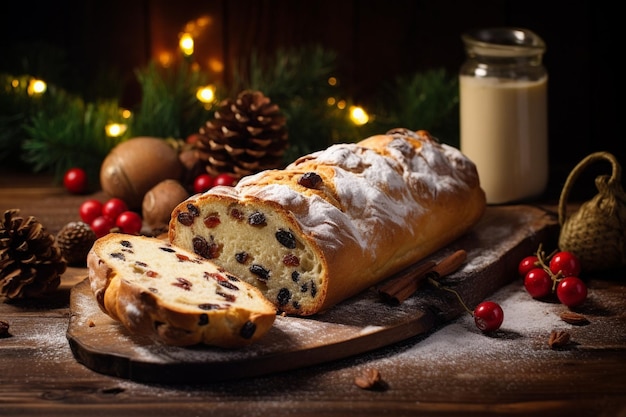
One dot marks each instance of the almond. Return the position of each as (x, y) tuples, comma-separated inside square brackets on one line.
[(574, 318), (558, 338)]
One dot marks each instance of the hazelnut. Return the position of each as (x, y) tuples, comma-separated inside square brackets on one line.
[(160, 201), (135, 166)]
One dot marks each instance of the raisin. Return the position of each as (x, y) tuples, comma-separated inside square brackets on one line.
[(126, 244), (184, 218), (304, 287), (291, 260), (261, 273), (286, 238), (236, 214), (310, 180), (229, 285), (203, 319), (183, 283), (212, 220), (232, 278), (283, 297), (193, 210), (166, 249), (296, 305), (295, 276), (205, 249), (241, 257), (257, 219), (313, 289), (227, 297), (209, 306), (247, 330), (118, 255), (140, 263)]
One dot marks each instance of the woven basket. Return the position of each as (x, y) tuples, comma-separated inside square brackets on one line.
[(596, 233)]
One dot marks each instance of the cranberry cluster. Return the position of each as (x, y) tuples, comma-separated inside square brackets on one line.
[(114, 213), (555, 274)]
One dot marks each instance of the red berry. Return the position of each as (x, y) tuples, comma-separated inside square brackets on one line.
[(566, 262), (538, 283), (528, 263), (129, 222), (113, 208), (75, 180), (225, 179), (89, 210), (488, 316), (101, 226), (571, 291), (202, 183)]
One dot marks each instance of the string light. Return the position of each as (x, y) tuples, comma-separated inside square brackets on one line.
[(206, 94), (115, 130), (358, 115), (36, 87), (186, 44)]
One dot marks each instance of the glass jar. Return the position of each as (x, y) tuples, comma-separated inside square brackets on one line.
[(503, 112)]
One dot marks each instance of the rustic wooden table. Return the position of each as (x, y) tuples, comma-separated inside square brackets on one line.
[(454, 370)]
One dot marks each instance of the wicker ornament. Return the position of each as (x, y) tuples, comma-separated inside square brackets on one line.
[(596, 233), (31, 263), (75, 240), (246, 136)]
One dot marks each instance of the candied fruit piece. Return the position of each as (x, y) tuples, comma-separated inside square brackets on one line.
[(212, 220), (291, 260)]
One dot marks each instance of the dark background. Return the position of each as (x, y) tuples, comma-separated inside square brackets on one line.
[(101, 43)]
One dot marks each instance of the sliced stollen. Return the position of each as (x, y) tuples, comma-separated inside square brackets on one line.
[(335, 222), (175, 296)]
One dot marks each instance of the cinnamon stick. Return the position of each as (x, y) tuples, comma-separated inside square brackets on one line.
[(406, 282)]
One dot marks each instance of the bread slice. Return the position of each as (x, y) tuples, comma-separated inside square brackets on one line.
[(335, 222), (173, 295)]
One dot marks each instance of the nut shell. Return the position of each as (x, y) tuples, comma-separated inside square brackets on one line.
[(135, 166), (160, 201)]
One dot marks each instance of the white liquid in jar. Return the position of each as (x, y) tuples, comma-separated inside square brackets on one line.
[(504, 131)]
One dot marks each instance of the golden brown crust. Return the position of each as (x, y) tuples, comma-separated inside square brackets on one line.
[(383, 204)]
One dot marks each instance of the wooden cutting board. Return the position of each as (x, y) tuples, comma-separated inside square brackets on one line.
[(363, 323)]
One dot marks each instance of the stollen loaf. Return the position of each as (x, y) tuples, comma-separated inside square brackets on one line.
[(174, 296), (337, 221)]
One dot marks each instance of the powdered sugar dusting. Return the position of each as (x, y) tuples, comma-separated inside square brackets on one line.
[(373, 189)]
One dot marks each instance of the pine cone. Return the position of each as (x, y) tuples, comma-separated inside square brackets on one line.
[(75, 240), (30, 261), (248, 135)]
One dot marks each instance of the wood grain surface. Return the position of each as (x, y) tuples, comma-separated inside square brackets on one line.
[(360, 324), (452, 370)]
